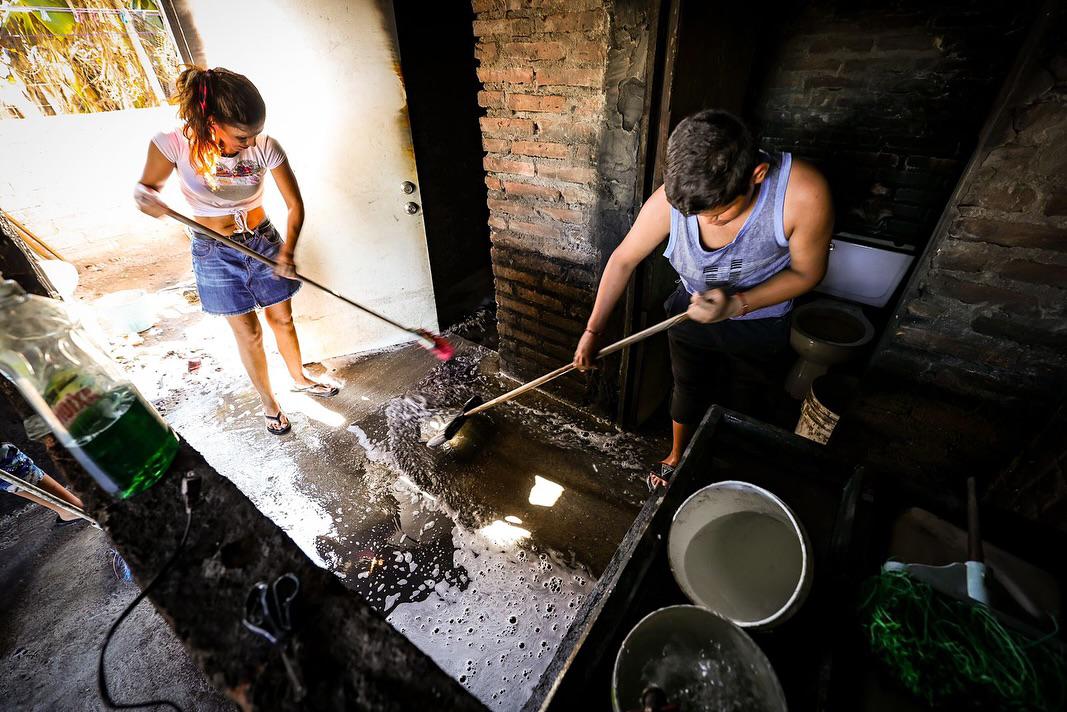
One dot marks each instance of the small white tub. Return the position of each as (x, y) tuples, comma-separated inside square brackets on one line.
[(739, 551), (127, 311)]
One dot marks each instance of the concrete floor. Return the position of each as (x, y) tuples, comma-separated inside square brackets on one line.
[(481, 561), (59, 593), (454, 551)]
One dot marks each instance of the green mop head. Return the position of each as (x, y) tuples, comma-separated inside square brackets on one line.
[(956, 655)]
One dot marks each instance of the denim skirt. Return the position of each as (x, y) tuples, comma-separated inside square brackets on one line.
[(231, 283)]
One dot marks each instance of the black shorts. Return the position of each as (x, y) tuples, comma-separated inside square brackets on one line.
[(737, 363)]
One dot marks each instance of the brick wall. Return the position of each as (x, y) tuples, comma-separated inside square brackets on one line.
[(888, 99), (561, 159), (986, 312)]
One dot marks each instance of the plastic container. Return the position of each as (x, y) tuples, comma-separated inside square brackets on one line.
[(699, 659), (739, 551), (827, 398), (127, 311), (94, 411)]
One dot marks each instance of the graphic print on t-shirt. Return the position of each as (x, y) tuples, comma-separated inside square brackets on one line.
[(716, 276), (234, 178)]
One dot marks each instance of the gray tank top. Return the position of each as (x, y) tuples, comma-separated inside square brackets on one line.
[(759, 251)]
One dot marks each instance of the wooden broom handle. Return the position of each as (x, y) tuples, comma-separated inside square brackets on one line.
[(243, 249), (607, 350)]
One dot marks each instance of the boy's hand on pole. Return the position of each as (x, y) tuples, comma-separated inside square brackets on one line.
[(586, 352), (711, 306)]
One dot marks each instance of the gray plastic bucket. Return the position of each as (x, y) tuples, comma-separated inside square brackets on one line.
[(699, 659), (739, 551)]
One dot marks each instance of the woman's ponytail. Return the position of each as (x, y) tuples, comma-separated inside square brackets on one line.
[(219, 94)]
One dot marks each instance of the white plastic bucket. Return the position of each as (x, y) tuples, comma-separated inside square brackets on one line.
[(130, 310), (739, 551), (62, 275), (699, 659)]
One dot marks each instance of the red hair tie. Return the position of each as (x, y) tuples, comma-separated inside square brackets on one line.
[(203, 91)]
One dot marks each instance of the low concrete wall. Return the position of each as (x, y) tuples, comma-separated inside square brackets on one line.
[(70, 178)]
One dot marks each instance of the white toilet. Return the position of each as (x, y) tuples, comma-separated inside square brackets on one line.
[(861, 270)]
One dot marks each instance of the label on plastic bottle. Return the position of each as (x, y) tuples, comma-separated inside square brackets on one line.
[(70, 394)]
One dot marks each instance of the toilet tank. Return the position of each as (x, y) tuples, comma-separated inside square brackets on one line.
[(864, 269)]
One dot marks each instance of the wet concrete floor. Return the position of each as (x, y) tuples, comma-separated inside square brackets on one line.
[(480, 556)]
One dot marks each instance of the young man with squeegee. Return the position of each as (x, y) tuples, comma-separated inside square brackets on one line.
[(748, 232)]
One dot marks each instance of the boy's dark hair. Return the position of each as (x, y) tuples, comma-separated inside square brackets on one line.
[(710, 159)]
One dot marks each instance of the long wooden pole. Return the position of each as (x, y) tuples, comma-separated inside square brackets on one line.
[(46, 496), (243, 249), (607, 350), (37, 243)]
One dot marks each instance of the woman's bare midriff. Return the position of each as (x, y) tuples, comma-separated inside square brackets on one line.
[(226, 225)]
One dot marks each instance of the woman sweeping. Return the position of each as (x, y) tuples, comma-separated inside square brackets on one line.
[(222, 157)]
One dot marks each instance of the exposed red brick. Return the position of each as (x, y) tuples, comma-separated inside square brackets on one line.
[(567, 130), (517, 307), (511, 75), (531, 191), (571, 174), (563, 5), (547, 51), (577, 194), (1012, 234), (979, 293), (487, 6), (525, 260), (530, 102), (503, 165), (580, 295), (587, 52), (517, 27), (569, 76), (1035, 273), (573, 326), (491, 99), (497, 127), (538, 229), (585, 153), (498, 222), (486, 52), (493, 183), (576, 21), (589, 107), (1040, 333), (511, 207), (541, 149), (566, 215), (495, 145), (538, 297), (516, 276)]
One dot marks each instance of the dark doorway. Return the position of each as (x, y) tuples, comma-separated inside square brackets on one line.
[(437, 61), (705, 57)]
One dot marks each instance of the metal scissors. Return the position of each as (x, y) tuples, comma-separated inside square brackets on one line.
[(268, 613)]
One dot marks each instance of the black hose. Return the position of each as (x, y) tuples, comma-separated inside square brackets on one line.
[(101, 677)]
